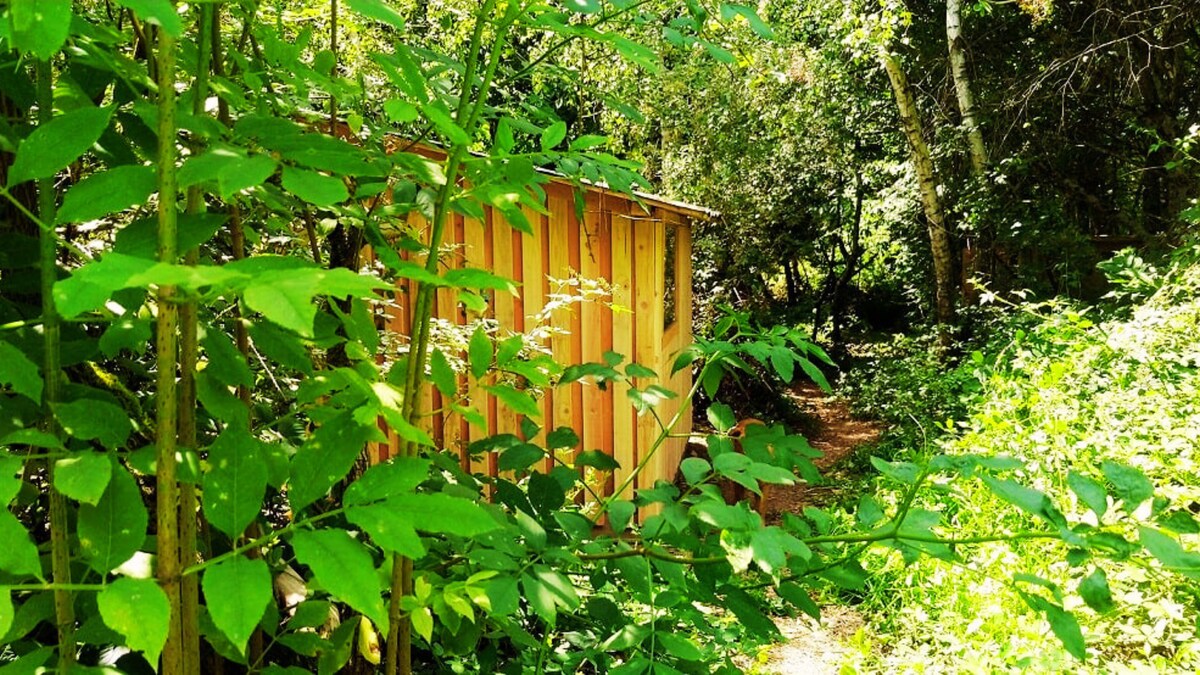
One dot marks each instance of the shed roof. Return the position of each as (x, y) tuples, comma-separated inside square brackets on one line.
[(692, 211)]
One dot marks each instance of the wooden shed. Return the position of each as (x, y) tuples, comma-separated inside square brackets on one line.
[(643, 249)]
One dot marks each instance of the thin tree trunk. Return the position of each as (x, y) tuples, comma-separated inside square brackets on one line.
[(167, 409), (962, 88), (60, 560), (931, 201), (970, 121), (189, 504)]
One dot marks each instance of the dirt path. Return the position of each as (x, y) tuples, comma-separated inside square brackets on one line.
[(812, 648), (836, 433)]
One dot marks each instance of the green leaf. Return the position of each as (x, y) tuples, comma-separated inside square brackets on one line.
[(281, 347), (784, 363), (327, 457), (40, 27), (587, 142), (562, 437), (126, 333), (436, 112), (442, 374), (115, 528), (11, 474), (1027, 499), (1129, 484), (798, 597), (756, 23), (88, 419), (1095, 592), (232, 170), (384, 481), (108, 192), (583, 6), (83, 476), (159, 12), (904, 472), (1089, 491), (20, 373), (477, 279), (7, 613), (553, 135), (18, 555), (1062, 623), (1170, 553), (620, 512), (401, 111), (392, 531), (225, 363), (236, 481), (344, 568), (57, 143), (597, 460), (679, 646), (721, 417), (748, 613), (315, 188), (237, 592), (479, 352), (443, 514), (378, 10), (515, 399), (139, 610), (519, 457)]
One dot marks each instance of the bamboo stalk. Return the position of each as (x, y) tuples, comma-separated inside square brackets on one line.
[(167, 405), (60, 554)]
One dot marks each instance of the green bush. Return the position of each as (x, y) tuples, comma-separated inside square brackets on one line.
[(1086, 409)]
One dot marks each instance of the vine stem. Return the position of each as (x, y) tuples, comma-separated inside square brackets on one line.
[(60, 554), (167, 347)]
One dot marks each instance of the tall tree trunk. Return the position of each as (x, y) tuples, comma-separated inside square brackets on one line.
[(962, 88), (931, 201), (970, 121)]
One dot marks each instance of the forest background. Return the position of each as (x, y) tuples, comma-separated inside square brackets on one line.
[(198, 339)]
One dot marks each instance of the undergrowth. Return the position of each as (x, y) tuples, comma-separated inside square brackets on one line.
[(1072, 394)]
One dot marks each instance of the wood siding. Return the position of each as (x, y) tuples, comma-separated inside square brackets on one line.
[(618, 241)]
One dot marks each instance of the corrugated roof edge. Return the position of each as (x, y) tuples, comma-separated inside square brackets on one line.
[(689, 210)]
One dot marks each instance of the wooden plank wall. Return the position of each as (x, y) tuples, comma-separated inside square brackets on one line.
[(618, 241)]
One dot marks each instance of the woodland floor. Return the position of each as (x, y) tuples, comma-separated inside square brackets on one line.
[(816, 648)]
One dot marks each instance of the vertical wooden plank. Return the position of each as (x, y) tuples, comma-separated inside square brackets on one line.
[(533, 294), (503, 303), (574, 316), (605, 251), (683, 301), (448, 423), (624, 424), (476, 247), (460, 315), (661, 464), (592, 428), (647, 327), (559, 203)]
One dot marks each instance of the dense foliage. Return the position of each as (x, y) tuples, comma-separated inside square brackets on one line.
[(191, 370), (1071, 398)]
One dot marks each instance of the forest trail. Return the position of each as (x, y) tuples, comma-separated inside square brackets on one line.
[(812, 648), (836, 433)]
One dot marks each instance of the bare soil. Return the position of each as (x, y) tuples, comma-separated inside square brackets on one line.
[(837, 434), (814, 648)]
